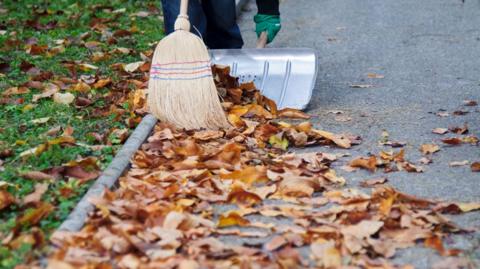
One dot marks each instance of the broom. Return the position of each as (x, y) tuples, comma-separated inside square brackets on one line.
[(181, 89)]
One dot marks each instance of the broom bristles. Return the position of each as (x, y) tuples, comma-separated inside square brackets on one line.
[(181, 87)]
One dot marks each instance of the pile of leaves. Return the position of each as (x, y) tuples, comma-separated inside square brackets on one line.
[(72, 79), (167, 211)]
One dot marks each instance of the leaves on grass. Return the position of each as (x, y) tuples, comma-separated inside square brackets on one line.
[(6, 199)]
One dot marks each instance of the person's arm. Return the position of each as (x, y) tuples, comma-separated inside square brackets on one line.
[(268, 7)]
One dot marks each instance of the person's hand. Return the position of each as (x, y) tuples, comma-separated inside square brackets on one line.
[(267, 23)]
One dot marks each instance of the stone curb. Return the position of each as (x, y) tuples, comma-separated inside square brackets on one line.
[(109, 177)]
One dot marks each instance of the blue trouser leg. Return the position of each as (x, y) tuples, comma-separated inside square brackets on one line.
[(214, 19)]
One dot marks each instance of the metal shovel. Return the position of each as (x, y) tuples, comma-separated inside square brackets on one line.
[(285, 75)]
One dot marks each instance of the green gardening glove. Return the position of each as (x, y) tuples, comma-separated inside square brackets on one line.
[(267, 23)]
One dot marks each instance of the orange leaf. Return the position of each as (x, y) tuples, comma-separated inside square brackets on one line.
[(240, 196), (369, 164), (232, 219), (475, 167), (292, 113), (6, 199), (37, 214), (249, 175)]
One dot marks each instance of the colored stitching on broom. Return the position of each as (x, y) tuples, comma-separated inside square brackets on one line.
[(192, 62), (180, 68), (192, 78), (179, 73)]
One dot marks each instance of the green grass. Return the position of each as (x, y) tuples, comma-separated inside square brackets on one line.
[(17, 131)]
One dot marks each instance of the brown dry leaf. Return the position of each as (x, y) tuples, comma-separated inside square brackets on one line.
[(326, 254), (452, 141), (275, 243), (6, 199), (36, 175), (340, 141), (292, 113), (440, 131), (37, 214), (50, 90), (232, 219), (36, 196), (457, 208), (295, 186), (240, 196), (429, 149), (475, 166), (208, 135), (363, 229), (15, 91), (372, 182), (459, 130), (81, 87), (369, 164), (436, 243), (248, 175), (102, 83), (470, 103)]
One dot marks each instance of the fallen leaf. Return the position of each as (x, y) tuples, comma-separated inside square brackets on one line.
[(292, 113), (440, 131), (470, 103), (37, 214), (459, 130), (361, 86), (277, 141), (372, 182), (15, 91), (63, 98), (6, 199), (240, 196), (132, 67), (452, 141), (443, 114), (475, 166), (373, 75), (339, 140), (87, 67), (36, 195), (50, 90), (232, 219), (102, 83), (249, 175), (363, 229), (40, 120), (369, 164), (36, 175), (326, 254), (459, 163), (275, 243), (429, 148)]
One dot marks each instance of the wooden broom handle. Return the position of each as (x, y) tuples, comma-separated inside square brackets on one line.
[(183, 8), (262, 40)]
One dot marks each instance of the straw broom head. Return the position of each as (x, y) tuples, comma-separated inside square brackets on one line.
[(181, 89)]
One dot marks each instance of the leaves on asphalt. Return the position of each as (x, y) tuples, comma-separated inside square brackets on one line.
[(165, 211)]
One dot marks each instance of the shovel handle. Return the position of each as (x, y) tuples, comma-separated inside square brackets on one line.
[(262, 40), (183, 8)]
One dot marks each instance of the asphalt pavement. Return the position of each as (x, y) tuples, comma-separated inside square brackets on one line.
[(425, 59)]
